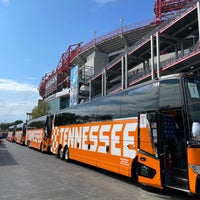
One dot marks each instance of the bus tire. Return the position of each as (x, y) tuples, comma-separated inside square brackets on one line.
[(60, 153), (41, 148), (134, 175), (28, 144), (49, 150), (66, 154)]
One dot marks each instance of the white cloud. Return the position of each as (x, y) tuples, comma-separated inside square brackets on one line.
[(10, 85), (16, 99)]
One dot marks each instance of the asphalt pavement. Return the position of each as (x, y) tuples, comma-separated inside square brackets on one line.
[(27, 174)]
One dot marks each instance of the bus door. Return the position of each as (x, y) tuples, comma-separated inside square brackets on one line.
[(174, 146), (149, 167)]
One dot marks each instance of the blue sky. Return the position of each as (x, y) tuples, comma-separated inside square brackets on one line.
[(35, 33)]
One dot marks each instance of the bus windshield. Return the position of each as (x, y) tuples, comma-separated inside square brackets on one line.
[(193, 98)]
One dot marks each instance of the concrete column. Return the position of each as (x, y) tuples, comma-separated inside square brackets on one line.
[(147, 67), (90, 89), (102, 83), (122, 72), (176, 51), (198, 18), (105, 82), (152, 57), (182, 49), (126, 69), (144, 67), (158, 54)]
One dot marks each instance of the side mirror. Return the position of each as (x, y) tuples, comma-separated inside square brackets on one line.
[(195, 129)]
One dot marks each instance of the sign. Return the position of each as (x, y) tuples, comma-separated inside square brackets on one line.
[(74, 84), (51, 85), (143, 120)]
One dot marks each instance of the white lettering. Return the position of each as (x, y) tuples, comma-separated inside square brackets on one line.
[(65, 137), (85, 137), (71, 137), (78, 134), (115, 139), (129, 140), (93, 138), (61, 135), (103, 139)]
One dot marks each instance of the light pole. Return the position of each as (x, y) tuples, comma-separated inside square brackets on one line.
[(121, 24), (95, 37)]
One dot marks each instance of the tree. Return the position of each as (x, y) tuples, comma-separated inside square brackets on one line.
[(5, 126), (17, 122), (43, 108)]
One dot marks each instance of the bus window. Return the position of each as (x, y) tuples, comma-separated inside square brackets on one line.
[(48, 126), (153, 128), (65, 118), (149, 133), (89, 111), (170, 94), (140, 99), (193, 98), (109, 108)]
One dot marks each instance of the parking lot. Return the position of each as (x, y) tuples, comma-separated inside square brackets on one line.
[(28, 174)]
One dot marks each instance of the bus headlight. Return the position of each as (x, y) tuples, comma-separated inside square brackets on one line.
[(195, 129), (195, 168)]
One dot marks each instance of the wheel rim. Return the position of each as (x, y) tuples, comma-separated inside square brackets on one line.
[(61, 153), (66, 154)]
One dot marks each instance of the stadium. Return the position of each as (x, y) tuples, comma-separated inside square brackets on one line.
[(128, 102), (127, 56)]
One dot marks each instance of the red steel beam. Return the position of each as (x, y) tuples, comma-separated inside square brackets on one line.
[(165, 8)]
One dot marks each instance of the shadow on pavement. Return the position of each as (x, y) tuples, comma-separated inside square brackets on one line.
[(6, 158)]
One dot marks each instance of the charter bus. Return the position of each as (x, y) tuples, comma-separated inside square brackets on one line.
[(149, 132), (11, 133), (20, 133), (38, 133)]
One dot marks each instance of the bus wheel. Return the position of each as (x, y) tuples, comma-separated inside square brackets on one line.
[(61, 153), (42, 148), (135, 170), (66, 154), (28, 144)]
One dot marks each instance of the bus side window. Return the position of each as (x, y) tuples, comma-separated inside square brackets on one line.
[(153, 127), (154, 132), (148, 133)]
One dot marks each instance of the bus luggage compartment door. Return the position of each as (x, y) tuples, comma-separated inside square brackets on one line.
[(148, 162)]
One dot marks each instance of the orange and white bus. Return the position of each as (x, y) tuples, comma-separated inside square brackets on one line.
[(38, 133), (20, 133), (11, 133), (149, 132)]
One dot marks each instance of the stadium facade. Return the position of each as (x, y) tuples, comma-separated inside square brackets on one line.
[(127, 56)]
